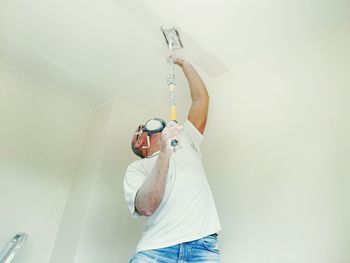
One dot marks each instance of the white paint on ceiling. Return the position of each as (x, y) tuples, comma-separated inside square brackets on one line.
[(100, 49)]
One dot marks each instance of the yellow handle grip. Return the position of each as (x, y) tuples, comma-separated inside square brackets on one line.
[(172, 111)]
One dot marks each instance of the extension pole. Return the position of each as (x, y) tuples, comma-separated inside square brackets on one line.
[(172, 86), (172, 100)]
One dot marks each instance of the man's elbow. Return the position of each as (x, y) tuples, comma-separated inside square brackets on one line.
[(148, 213), (147, 210)]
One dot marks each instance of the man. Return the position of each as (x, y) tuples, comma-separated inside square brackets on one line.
[(170, 188)]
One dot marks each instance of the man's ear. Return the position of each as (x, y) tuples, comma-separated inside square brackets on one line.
[(138, 144)]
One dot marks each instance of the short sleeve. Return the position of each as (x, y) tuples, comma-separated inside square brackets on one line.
[(133, 180), (193, 135)]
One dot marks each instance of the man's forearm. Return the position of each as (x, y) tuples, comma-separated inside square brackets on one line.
[(151, 192), (198, 112), (197, 86)]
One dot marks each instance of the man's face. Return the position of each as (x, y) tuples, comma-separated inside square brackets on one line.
[(139, 140), (146, 138)]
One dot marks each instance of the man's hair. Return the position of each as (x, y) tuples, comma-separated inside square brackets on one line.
[(136, 151)]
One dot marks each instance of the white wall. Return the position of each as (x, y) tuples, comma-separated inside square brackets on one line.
[(109, 234), (41, 134), (277, 154), (80, 192), (95, 225)]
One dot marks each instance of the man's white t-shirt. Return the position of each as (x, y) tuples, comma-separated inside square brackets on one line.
[(187, 211)]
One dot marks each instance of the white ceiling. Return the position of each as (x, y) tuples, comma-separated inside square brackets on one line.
[(99, 49)]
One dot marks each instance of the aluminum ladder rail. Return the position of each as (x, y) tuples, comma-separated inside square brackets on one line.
[(12, 247)]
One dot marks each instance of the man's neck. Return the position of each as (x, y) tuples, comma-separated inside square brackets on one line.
[(154, 153)]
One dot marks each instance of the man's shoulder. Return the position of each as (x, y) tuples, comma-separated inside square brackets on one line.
[(190, 130), (135, 164), (141, 165)]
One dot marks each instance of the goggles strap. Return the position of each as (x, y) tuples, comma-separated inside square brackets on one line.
[(148, 143)]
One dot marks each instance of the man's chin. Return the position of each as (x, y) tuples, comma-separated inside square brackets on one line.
[(144, 153)]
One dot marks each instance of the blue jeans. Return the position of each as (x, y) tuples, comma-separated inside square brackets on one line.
[(204, 250)]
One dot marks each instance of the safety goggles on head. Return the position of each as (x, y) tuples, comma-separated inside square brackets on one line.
[(151, 127)]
